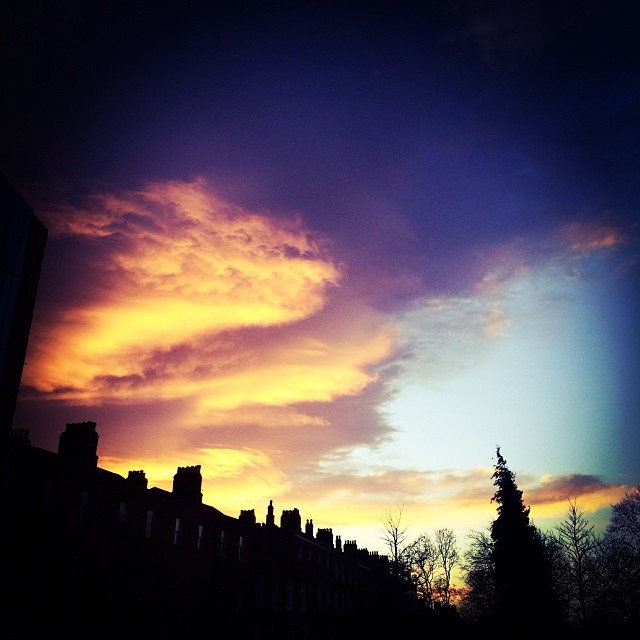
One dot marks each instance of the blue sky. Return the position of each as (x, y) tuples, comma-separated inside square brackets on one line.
[(336, 255)]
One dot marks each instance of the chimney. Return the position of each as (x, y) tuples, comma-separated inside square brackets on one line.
[(308, 529), (350, 548), (270, 517), (247, 516), (78, 444), (20, 438), (325, 537), (290, 520), (187, 484), (138, 477)]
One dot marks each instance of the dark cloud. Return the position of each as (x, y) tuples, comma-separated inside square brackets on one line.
[(568, 487)]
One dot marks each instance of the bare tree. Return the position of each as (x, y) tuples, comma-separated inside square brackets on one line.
[(430, 562), (424, 565), (576, 576), (479, 596), (394, 536), (625, 521), (620, 562), (447, 557), (422, 558)]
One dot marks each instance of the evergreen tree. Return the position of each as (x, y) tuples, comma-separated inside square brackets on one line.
[(522, 572)]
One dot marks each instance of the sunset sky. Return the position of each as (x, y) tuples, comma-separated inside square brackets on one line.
[(336, 255)]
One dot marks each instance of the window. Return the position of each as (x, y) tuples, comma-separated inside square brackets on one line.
[(122, 515), (83, 513), (259, 591), (177, 532), (223, 543), (239, 597), (241, 548), (303, 597), (200, 544), (149, 529), (145, 580), (174, 585), (47, 493), (289, 595)]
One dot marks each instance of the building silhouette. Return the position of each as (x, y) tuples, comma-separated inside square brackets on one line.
[(88, 553), (23, 240), (94, 554)]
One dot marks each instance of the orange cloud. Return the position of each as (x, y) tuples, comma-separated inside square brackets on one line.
[(591, 235), (173, 264), (244, 349), (237, 323), (551, 498)]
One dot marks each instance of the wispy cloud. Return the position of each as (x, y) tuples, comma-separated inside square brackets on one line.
[(236, 319), (591, 235), (172, 265), (553, 494), (233, 340)]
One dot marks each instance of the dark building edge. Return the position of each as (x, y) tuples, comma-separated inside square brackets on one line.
[(19, 225), (98, 554)]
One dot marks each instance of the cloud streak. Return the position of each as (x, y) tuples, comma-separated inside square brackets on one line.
[(233, 340), (237, 322), (172, 266)]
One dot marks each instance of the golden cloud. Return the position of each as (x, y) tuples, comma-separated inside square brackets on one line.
[(172, 264), (552, 497)]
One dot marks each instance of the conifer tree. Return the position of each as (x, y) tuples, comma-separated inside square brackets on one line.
[(521, 568)]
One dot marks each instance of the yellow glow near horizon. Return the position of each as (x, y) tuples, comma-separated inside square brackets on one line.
[(587, 501), (223, 329), (229, 475)]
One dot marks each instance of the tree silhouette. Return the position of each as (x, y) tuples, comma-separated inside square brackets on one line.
[(429, 563), (422, 557), (448, 556), (394, 536), (522, 574), (620, 565), (516, 577), (479, 594), (625, 521), (576, 564)]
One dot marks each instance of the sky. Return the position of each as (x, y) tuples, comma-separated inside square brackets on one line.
[(336, 253)]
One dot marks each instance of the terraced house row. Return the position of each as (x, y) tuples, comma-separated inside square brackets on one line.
[(98, 555)]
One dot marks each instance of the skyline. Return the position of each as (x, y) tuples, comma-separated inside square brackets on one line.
[(336, 257)]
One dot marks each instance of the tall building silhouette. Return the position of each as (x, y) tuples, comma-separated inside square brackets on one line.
[(23, 240)]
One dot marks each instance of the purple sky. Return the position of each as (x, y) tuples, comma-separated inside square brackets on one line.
[(377, 242)]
